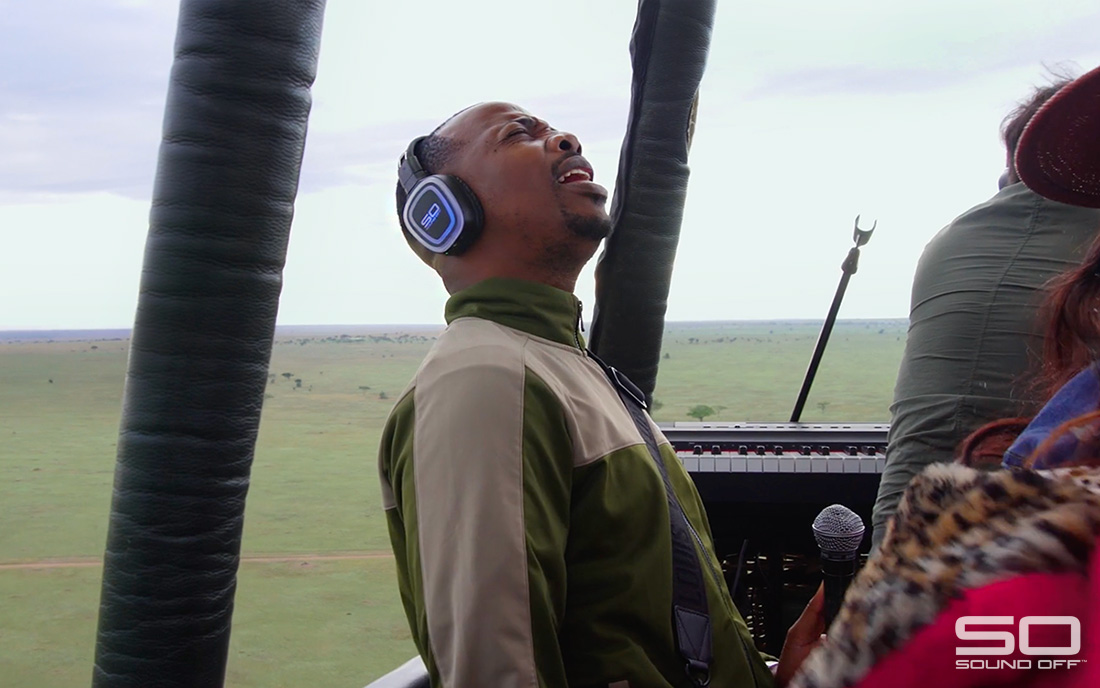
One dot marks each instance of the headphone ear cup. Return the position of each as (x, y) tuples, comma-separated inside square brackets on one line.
[(443, 214), (472, 213)]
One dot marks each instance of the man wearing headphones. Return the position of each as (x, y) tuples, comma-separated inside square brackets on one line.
[(533, 513)]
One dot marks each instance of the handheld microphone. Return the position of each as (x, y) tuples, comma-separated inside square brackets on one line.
[(839, 532)]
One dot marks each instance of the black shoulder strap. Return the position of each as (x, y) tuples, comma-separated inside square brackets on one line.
[(690, 618)]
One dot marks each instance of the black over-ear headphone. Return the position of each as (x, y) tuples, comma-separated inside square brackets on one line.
[(440, 210)]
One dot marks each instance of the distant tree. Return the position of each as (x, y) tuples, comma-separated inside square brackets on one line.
[(51, 380), (700, 411), (298, 382), (363, 388), (288, 375), (667, 356), (657, 405), (823, 405), (382, 395)]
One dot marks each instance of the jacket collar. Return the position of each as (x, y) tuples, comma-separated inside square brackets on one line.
[(531, 307)]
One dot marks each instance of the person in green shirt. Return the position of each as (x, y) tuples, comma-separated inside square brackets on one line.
[(973, 333), (529, 522)]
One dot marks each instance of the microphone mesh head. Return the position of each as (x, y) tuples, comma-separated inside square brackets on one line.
[(838, 529)]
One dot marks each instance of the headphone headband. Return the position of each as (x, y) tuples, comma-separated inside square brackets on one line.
[(410, 171)]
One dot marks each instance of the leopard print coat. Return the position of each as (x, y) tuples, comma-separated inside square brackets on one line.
[(955, 529)]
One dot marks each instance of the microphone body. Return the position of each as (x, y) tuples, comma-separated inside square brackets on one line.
[(839, 533), (837, 575)]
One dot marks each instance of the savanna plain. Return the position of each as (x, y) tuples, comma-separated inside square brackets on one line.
[(317, 602)]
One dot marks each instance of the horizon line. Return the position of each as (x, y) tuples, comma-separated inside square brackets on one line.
[(8, 330)]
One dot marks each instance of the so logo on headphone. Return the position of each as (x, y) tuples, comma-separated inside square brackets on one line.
[(440, 210)]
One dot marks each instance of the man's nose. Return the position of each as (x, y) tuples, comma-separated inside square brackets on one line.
[(564, 141)]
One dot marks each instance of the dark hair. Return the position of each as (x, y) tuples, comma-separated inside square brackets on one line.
[(1014, 123), (1073, 331)]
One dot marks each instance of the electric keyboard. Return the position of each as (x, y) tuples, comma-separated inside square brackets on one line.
[(762, 485), (768, 480), (782, 462)]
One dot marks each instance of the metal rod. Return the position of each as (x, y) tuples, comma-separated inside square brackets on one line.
[(819, 348), (848, 267)]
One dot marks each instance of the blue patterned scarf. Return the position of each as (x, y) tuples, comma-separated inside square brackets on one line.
[(1079, 396)]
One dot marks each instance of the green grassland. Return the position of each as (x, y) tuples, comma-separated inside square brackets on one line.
[(329, 617)]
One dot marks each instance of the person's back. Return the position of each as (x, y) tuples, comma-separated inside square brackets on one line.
[(973, 332), (1017, 549)]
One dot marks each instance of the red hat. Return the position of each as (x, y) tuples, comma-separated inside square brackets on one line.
[(1059, 151)]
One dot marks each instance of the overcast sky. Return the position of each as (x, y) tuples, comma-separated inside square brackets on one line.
[(810, 113)]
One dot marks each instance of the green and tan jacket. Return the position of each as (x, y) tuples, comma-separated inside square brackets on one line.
[(529, 524)]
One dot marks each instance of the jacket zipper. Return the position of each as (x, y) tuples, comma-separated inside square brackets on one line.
[(579, 327)]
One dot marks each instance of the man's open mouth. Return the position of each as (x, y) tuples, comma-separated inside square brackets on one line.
[(578, 175), (575, 169)]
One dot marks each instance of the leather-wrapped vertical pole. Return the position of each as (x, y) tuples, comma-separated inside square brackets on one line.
[(234, 133), (669, 52)]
